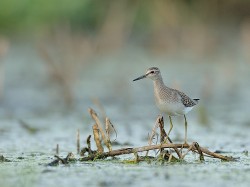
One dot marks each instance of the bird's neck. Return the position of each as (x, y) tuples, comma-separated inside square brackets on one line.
[(158, 83)]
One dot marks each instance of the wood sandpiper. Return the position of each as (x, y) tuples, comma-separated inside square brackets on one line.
[(168, 100)]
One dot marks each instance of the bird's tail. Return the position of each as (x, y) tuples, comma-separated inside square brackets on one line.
[(196, 100)]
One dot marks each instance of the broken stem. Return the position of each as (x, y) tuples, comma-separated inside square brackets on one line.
[(78, 141), (97, 138), (107, 128), (196, 145), (165, 136), (89, 145), (153, 133)]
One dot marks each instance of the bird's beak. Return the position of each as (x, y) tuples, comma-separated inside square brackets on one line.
[(141, 77)]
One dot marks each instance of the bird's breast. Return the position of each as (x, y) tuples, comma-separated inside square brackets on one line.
[(172, 109)]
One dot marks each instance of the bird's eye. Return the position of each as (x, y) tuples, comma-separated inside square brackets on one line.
[(152, 72)]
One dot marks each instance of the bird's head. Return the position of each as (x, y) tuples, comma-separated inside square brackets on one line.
[(152, 73)]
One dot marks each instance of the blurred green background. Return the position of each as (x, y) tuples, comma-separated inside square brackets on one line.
[(55, 45), (90, 15), (124, 19)]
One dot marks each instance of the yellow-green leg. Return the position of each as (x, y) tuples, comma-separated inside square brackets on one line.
[(185, 129), (171, 125)]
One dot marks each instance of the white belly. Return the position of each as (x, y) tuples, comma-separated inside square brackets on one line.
[(173, 109)]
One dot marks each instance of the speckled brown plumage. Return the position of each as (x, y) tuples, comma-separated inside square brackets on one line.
[(171, 101), (162, 92), (187, 102)]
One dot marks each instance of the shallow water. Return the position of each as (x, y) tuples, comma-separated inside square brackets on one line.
[(221, 121), (31, 171)]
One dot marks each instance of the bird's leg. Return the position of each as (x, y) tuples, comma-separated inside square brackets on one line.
[(185, 129), (171, 125)]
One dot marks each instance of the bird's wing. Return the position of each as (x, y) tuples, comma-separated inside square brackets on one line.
[(187, 102)]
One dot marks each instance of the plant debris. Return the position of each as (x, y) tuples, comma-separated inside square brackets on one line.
[(69, 158), (166, 150), (3, 159)]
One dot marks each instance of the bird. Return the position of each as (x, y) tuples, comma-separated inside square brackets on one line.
[(169, 101)]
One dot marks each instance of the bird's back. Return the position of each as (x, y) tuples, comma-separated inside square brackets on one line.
[(172, 101), (187, 101)]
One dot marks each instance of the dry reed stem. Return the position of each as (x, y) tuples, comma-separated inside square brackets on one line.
[(136, 157), (175, 149), (78, 141), (153, 133), (89, 145), (216, 155), (162, 131), (163, 134), (189, 149), (196, 145), (57, 149), (168, 138), (97, 138), (170, 157), (98, 122), (113, 127), (107, 128)]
